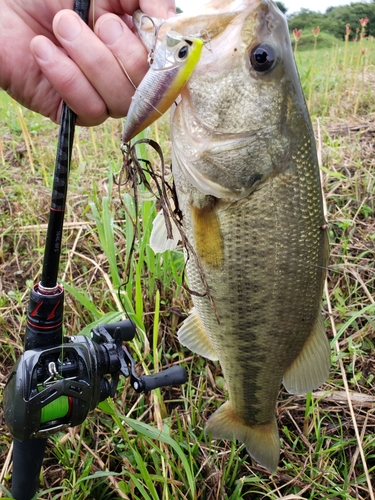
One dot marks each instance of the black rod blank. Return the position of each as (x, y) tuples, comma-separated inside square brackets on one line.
[(52, 249)]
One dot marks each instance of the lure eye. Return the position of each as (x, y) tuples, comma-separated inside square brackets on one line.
[(183, 52), (262, 57)]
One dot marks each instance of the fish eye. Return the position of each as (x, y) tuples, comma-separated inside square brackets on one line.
[(183, 52), (262, 57)]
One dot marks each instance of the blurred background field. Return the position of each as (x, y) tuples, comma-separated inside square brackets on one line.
[(153, 446)]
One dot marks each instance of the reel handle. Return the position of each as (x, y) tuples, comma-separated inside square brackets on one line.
[(176, 375)]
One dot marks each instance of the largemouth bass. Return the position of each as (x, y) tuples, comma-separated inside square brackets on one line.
[(247, 178)]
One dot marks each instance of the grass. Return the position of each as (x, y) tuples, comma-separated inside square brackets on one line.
[(153, 446)]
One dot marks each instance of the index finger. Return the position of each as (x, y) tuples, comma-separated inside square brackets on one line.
[(163, 9), (155, 8)]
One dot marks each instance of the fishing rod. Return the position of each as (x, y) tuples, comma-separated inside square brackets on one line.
[(57, 381)]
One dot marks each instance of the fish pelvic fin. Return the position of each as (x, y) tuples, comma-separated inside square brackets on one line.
[(311, 368), (159, 241), (261, 441), (193, 336)]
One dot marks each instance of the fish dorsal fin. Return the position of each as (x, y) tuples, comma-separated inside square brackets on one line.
[(193, 336), (311, 368), (262, 441), (159, 241)]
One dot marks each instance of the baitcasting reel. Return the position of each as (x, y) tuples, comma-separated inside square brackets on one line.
[(52, 388)]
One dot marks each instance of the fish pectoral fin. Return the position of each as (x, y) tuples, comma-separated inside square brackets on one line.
[(311, 368), (261, 441), (193, 336), (159, 241), (207, 235)]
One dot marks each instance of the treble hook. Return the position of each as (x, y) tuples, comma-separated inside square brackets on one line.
[(150, 56)]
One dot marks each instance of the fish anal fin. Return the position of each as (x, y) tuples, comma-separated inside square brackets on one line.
[(207, 235), (311, 368), (193, 336), (261, 441)]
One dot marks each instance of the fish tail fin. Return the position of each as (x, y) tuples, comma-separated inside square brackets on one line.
[(261, 441)]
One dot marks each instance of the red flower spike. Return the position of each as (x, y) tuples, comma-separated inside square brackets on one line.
[(297, 34), (316, 31)]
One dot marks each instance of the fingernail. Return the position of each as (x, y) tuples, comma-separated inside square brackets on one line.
[(171, 13), (43, 49), (69, 26), (110, 31)]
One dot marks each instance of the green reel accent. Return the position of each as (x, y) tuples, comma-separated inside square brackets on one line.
[(55, 410)]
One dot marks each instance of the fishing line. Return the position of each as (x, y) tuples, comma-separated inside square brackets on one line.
[(55, 410), (125, 72), (93, 13), (135, 87)]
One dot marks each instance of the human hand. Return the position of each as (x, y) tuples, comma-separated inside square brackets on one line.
[(49, 55)]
